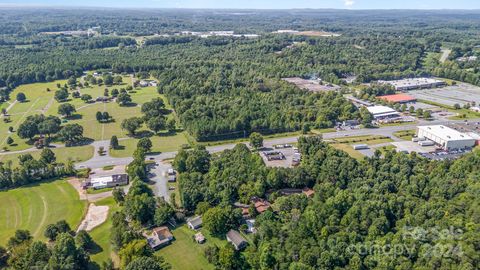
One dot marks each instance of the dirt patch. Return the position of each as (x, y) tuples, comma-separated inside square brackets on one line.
[(75, 182), (96, 215)]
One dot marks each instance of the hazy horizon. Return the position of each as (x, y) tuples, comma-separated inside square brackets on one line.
[(258, 4)]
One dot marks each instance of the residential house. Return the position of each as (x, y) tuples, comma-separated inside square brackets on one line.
[(160, 237)]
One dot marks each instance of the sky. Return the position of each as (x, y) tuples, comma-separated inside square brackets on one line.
[(256, 4)]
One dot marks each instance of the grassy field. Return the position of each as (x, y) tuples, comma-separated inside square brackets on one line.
[(368, 139), (77, 154), (185, 254), (461, 113), (160, 144), (34, 207), (406, 135), (349, 150), (101, 234), (41, 101)]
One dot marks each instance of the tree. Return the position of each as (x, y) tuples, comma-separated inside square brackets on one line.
[(51, 232), (27, 130), (419, 112), (117, 80), (99, 116), (108, 79), (84, 240), (66, 109), (61, 95), (427, 114), (114, 92), (145, 143), (114, 142), (256, 140), (65, 255), (140, 208), (124, 99), (9, 141), (76, 94), (456, 106), (132, 124), (366, 117), (156, 123), (71, 133), (106, 116), (21, 97), (118, 195), (163, 213), (145, 263), (50, 125), (47, 156), (134, 250), (86, 98), (215, 220), (171, 125), (153, 108)]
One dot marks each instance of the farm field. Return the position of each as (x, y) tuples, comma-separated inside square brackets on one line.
[(185, 254), (34, 207), (76, 154)]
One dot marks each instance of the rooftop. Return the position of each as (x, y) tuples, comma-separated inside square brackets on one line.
[(398, 98), (236, 238), (445, 133), (380, 110)]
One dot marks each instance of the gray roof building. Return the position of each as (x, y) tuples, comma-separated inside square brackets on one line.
[(236, 239)]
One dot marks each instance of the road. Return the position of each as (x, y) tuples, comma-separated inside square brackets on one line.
[(102, 161)]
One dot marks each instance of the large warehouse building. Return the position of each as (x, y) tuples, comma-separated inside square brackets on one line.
[(445, 137), (382, 112), (414, 83)]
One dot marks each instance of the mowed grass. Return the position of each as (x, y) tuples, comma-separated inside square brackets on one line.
[(405, 134), (160, 144), (76, 154), (101, 234), (368, 139), (34, 207), (349, 150), (186, 254)]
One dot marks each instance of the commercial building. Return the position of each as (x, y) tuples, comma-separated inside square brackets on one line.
[(414, 83), (398, 98), (445, 137), (382, 112), (110, 181)]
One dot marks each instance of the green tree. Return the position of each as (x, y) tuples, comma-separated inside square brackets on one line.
[(21, 97), (163, 213), (256, 140), (61, 95), (156, 123), (9, 141), (124, 99), (86, 98), (84, 240), (145, 143), (132, 251), (114, 142), (65, 255), (132, 124), (66, 109), (47, 156), (71, 133), (145, 263)]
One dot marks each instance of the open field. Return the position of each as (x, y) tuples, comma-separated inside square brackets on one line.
[(34, 207), (160, 144), (101, 234), (41, 101), (185, 254), (406, 135), (77, 154), (368, 139), (349, 150)]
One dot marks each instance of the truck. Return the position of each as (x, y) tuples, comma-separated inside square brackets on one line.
[(360, 146), (426, 143)]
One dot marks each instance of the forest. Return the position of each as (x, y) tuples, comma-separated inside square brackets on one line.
[(397, 212)]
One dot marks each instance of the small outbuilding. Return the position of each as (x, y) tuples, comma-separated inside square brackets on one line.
[(236, 239), (195, 223)]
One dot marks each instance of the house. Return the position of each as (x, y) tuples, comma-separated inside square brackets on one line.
[(308, 192), (236, 239), (245, 209), (199, 238), (160, 237), (261, 205), (115, 180), (195, 223)]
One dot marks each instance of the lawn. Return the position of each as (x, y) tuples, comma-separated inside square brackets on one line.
[(349, 150), (77, 154), (34, 207), (101, 234), (160, 144), (184, 253), (406, 135), (368, 139)]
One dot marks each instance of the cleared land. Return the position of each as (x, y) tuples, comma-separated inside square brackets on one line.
[(34, 207), (76, 154), (185, 254)]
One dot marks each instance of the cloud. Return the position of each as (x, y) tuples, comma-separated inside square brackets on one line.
[(348, 3)]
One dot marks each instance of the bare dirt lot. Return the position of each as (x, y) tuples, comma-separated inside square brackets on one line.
[(96, 215), (312, 85)]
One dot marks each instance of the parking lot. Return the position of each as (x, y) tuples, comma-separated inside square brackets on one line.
[(279, 156), (441, 155), (461, 93)]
